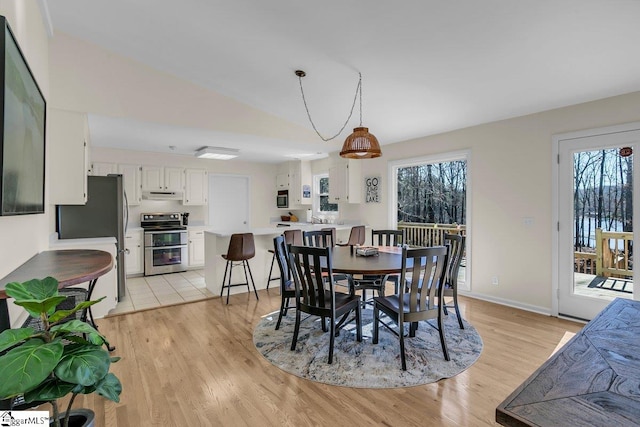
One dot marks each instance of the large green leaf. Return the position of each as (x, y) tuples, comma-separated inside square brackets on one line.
[(110, 387), (33, 289), (74, 327), (24, 367), (84, 365), (37, 306), (61, 314), (11, 337), (49, 390)]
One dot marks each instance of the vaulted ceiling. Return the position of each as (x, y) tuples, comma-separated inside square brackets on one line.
[(428, 66)]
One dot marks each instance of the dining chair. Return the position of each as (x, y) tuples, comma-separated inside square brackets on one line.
[(428, 269), (316, 295), (241, 249), (455, 242), (356, 236), (378, 283), (287, 286), (291, 237), (319, 238)]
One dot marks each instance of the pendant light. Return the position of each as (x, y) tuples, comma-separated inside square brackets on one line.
[(360, 144)]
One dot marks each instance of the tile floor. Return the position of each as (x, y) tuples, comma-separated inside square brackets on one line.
[(165, 289)]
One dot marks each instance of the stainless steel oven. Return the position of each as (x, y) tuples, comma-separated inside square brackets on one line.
[(283, 199), (165, 243)]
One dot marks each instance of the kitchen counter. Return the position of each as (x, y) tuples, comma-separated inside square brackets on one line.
[(217, 243)]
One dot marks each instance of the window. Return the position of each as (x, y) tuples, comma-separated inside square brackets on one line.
[(321, 203)]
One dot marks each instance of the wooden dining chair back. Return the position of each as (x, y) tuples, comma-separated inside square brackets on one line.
[(378, 283), (293, 237), (425, 285), (241, 249), (456, 243), (319, 238), (315, 293), (287, 286), (356, 236), (387, 237)]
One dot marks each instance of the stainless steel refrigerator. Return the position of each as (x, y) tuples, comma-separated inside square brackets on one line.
[(104, 215)]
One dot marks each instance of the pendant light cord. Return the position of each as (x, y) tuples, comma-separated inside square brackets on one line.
[(358, 92)]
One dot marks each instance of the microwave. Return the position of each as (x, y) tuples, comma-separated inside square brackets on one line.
[(282, 201)]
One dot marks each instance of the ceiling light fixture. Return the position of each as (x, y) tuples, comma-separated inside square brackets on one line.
[(218, 153), (360, 144)]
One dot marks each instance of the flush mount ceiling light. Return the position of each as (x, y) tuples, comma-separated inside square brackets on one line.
[(360, 144), (218, 153)]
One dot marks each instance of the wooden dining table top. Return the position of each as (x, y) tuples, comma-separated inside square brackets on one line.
[(68, 266), (387, 261)]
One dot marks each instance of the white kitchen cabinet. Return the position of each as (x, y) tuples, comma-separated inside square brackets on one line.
[(196, 246), (103, 168), (299, 176), (282, 181), (158, 178), (173, 179), (131, 176), (134, 252), (68, 151), (293, 176), (195, 187), (345, 182)]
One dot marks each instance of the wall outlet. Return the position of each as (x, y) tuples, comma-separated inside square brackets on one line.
[(494, 280)]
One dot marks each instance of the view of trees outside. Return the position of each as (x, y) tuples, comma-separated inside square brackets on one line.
[(325, 206), (602, 194), (433, 193)]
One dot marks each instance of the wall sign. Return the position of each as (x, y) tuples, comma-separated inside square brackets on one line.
[(306, 191), (372, 189)]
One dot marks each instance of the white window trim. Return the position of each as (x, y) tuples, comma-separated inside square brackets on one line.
[(316, 196)]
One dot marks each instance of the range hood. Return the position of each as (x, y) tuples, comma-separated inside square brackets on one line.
[(162, 195)]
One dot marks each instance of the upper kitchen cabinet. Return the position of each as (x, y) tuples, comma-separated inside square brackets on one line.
[(68, 151), (196, 187), (295, 176), (345, 182), (103, 169), (132, 177), (282, 181), (158, 178)]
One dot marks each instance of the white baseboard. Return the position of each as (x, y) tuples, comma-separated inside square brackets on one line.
[(508, 303)]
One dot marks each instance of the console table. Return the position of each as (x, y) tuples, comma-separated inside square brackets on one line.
[(69, 267), (593, 380)]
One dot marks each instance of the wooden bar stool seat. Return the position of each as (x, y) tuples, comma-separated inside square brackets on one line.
[(241, 249)]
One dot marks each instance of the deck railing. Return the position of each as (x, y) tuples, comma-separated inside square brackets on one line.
[(428, 234), (612, 257)]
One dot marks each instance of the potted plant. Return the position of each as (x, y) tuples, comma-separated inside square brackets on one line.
[(65, 357)]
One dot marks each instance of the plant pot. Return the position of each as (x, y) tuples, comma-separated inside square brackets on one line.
[(78, 418)]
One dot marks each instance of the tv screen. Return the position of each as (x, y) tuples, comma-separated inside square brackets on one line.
[(22, 132)]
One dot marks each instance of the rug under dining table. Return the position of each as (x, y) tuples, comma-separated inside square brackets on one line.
[(364, 364)]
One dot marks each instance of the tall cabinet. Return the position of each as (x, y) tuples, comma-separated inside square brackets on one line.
[(68, 151), (345, 184), (295, 176)]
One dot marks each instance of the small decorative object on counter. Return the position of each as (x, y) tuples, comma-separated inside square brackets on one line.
[(293, 217)]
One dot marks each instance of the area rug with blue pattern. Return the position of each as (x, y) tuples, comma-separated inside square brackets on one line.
[(364, 364)]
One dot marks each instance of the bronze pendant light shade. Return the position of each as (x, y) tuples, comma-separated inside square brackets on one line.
[(360, 144)]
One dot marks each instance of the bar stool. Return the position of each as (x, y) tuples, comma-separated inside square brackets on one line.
[(241, 249), (291, 237)]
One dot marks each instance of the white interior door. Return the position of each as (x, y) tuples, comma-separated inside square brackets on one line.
[(596, 187), (229, 202)]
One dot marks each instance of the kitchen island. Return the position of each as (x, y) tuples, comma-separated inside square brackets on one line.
[(216, 243)]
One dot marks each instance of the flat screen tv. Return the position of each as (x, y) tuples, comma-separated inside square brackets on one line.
[(22, 131)]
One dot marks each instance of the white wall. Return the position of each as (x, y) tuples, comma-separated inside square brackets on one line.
[(26, 235), (510, 175)]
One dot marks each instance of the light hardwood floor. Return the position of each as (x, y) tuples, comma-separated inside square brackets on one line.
[(195, 365)]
